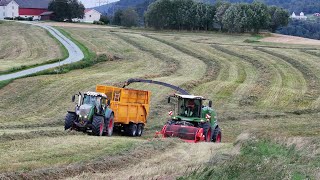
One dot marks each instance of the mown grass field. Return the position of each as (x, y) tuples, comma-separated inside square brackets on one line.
[(24, 45), (267, 91)]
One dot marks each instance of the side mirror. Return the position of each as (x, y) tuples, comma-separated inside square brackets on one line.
[(210, 103), (169, 99), (73, 98), (108, 102)]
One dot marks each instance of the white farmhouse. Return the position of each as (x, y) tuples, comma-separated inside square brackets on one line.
[(302, 16), (8, 8), (91, 15)]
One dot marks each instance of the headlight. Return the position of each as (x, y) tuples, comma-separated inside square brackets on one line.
[(85, 116), (79, 115)]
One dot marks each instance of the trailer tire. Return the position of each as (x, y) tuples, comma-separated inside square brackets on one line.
[(68, 121), (131, 129), (110, 125), (217, 135), (98, 125), (139, 130)]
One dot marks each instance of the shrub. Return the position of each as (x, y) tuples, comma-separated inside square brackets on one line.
[(98, 22), (104, 19)]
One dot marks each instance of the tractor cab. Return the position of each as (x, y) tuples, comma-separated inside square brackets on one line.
[(90, 103)]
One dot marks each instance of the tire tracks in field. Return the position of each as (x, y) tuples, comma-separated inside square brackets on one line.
[(261, 84), (249, 45), (213, 66), (313, 83), (172, 64)]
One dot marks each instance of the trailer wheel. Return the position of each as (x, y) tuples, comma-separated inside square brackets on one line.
[(131, 129), (98, 126), (68, 121), (139, 130), (110, 125), (217, 135)]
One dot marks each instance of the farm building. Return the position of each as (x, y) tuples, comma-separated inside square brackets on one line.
[(301, 16), (8, 8), (32, 8), (91, 15), (49, 15)]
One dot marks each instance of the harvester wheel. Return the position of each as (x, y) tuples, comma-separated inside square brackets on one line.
[(209, 135), (98, 126), (68, 121), (139, 130), (131, 129), (110, 125), (217, 135)]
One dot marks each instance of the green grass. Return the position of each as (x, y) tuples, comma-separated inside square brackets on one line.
[(259, 159), (4, 83)]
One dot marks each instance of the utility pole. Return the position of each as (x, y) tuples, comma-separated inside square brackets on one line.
[(102, 2)]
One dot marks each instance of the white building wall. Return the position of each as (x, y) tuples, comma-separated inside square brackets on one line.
[(2, 11), (91, 16), (11, 10)]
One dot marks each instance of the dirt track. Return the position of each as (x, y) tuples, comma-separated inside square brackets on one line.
[(279, 38)]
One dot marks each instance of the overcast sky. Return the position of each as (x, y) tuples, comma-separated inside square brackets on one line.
[(93, 3)]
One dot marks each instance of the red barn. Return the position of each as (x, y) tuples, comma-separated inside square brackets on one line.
[(32, 8)]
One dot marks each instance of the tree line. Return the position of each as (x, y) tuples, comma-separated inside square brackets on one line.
[(308, 29), (66, 9), (306, 6), (235, 18)]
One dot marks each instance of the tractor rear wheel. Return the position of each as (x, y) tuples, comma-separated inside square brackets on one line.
[(139, 130), (110, 125), (131, 129), (98, 126), (68, 121), (217, 135)]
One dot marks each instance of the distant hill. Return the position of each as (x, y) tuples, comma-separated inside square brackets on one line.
[(306, 6)]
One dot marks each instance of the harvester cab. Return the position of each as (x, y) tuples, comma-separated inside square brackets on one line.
[(91, 113)]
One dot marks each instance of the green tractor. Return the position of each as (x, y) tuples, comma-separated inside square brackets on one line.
[(92, 112)]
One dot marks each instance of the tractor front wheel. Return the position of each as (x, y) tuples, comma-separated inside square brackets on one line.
[(110, 125), (68, 121), (217, 135), (98, 126), (131, 129)]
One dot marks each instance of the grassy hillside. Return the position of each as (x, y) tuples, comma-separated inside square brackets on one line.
[(268, 91), (24, 45)]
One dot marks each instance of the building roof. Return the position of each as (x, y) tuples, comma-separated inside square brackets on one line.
[(5, 2), (46, 13), (88, 10), (36, 4)]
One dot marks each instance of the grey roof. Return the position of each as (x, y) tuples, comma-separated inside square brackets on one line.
[(4, 2), (46, 13), (37, 4)]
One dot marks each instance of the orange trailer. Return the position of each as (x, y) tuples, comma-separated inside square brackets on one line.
[(130, 108)]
